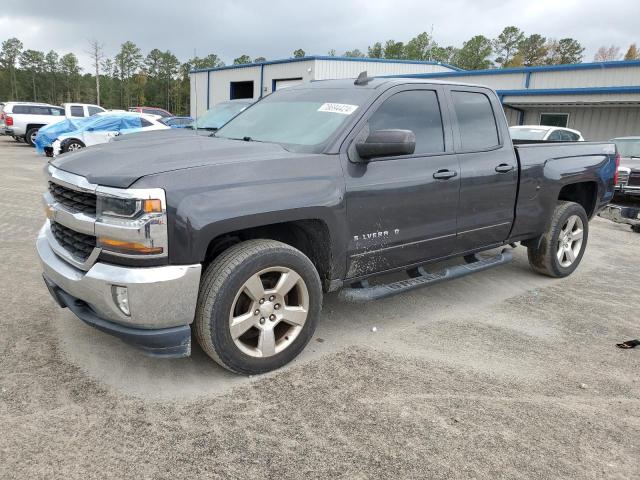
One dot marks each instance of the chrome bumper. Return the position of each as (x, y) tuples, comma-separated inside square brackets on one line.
[(159, 297)]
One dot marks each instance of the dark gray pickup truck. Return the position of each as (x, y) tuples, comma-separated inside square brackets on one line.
[(235, 236)]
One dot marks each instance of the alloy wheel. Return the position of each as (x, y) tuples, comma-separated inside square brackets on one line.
[(269, 312), (570, 241)]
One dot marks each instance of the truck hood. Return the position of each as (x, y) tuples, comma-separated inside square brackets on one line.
[(120, 163)]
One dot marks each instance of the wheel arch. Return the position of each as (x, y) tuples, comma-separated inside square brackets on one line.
[(583, 193), (312, 236)]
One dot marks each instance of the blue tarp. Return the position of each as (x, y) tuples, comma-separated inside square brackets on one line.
[(48, 133), (113, 122)]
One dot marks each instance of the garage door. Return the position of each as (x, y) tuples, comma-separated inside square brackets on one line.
[(286, 82)]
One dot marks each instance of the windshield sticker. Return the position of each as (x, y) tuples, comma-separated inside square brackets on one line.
[(342, 108)]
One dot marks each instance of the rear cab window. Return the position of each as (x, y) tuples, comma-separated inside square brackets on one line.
[(77, 111), (476, 121)]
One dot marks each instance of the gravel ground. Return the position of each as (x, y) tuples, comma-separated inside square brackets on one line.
[(505, 374)]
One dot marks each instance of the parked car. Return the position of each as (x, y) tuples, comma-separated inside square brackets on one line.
[(101, 129), (629, 170), (47, 135), (316, 187), (544, 133), (22, 120), (72, 110), (177, 122), (152, 111), (216, 117)]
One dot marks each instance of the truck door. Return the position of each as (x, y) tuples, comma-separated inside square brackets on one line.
[(402, 209), (488, 168)]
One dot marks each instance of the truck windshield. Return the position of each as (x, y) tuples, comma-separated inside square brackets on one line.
[(528, 133), (301, 120), (628, 147)]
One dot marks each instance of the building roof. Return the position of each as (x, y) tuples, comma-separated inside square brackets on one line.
[(325, 57)]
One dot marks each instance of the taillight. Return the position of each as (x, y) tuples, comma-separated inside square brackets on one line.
[(8, 121), (616, 177)]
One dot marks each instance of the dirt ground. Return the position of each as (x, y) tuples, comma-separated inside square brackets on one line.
[(505, 374)]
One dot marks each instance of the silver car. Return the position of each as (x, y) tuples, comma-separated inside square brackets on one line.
[(629, 170)]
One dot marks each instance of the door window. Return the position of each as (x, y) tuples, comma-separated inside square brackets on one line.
[(556, 136), (415, 110), (94, 110), (476, 121)]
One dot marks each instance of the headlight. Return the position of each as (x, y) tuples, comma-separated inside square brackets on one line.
[(131, 222)]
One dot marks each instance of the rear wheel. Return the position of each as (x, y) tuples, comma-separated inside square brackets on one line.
[(562, 245), (258, 306), (30, 137)]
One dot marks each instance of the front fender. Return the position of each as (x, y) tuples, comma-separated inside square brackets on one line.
[(207, 202)]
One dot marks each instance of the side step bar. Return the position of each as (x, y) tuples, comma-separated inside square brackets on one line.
[(424, 279)]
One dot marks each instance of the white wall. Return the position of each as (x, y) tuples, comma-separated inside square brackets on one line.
[(334, 69), (595, 123), (198, 93), (220, 83), (287, 70)]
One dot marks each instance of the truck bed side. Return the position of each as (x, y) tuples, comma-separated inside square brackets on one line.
[(553, 171)]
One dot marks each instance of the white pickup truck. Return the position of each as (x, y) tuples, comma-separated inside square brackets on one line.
[(22, 120)]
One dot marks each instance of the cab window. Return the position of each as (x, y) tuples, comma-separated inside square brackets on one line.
[(415, 110)]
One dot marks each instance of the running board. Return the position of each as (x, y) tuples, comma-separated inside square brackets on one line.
[(424, 279)]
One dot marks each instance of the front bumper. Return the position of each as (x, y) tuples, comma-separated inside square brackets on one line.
[(162, 300)]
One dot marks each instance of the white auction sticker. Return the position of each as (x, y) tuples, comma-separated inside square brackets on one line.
[(343, 108)]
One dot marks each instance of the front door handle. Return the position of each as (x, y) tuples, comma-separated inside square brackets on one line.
[(504, 168), (444, 174)]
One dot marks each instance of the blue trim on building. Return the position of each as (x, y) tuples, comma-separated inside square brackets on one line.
[(261, 80), (324, 57), (527, 80), (208, 88), (546, 68), (568, 91)]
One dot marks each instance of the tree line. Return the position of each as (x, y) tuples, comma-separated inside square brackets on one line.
[(160, 79)]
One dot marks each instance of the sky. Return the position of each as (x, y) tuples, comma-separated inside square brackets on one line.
[(275, 28)]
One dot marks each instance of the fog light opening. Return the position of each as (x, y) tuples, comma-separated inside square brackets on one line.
[(121, 298)]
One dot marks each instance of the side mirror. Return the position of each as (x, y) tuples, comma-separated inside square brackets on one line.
[(387, 143)]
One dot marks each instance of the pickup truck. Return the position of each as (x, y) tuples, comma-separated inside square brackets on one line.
[(234, 236), (22, 120)]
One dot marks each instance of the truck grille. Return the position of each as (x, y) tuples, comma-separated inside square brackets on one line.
[(77, 244), (74, 200), (634, 179)]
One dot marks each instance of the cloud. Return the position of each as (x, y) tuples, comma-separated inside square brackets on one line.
[(275, 28)]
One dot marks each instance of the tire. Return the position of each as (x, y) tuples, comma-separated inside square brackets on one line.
[(30, 136), (71, 145), (546, 258), (264, 338)]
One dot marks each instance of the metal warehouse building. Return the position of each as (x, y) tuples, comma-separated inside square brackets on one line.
[(602, 100), (254, 80)]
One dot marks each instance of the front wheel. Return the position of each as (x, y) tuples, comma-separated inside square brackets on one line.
[(71, 145), (258, 306), (562, 245)]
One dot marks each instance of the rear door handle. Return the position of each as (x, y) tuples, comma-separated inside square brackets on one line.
[(504, 168), (444, 174)]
